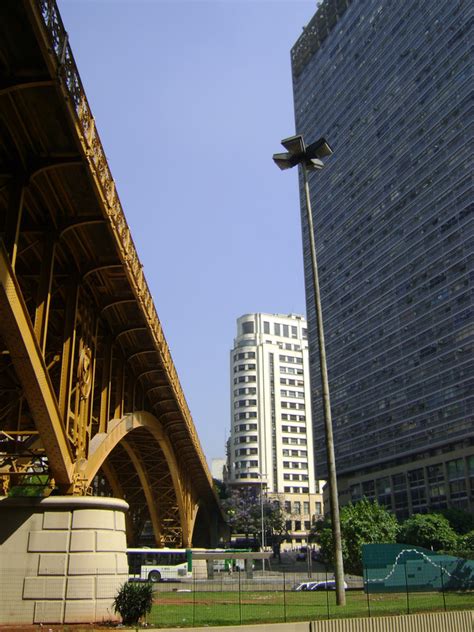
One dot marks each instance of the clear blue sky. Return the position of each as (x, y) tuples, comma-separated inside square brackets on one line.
[(191, 99)]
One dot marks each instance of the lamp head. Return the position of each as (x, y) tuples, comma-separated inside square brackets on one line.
[(314, 164), (297, 153), (318, 149), (294, 144), (285, 160)]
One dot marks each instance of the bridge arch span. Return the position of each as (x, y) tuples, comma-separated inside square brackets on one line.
[(137, 459)]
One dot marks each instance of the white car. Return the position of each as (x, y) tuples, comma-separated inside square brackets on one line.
[(330, 584)]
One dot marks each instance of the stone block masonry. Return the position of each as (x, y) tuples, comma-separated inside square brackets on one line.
[(62, 559)]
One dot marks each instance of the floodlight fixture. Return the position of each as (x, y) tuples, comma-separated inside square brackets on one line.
[(298, 153), (318, 149)]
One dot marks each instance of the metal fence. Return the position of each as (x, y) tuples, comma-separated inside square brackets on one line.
[(274, 598), (227, 599)]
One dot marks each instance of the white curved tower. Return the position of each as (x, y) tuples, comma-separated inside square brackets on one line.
[(271, 438)]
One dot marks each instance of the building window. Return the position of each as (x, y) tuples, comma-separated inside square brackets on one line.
[(297, 507), (400, 495), (248, 328), (436, 486), (277, 329), (384, 491), (288, 506), (319, 508), (455, 469), (416, 480), (470, 465), (266, 327), (355, 493), (306, 507), (368, 489)]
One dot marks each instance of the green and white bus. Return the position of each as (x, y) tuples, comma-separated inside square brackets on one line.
[(156, 565)]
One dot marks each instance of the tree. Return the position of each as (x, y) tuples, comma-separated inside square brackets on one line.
[(467, 541), (431, 531), (366, 522), (275, 525), (221, 488), (461, 521), (322, 535), (242, 508)]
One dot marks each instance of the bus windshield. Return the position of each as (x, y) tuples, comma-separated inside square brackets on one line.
[(156, 565)]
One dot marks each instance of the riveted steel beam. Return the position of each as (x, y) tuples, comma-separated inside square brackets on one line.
[(55, 162), (44, 291), (140, 468), (27, 83), (148, 372), (98, 267), (76, 224), (17, 331), (14, 216), (130, 330), (105, 385), (115, 303)]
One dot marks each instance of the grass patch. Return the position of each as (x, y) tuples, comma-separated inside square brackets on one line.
[(231, 608)]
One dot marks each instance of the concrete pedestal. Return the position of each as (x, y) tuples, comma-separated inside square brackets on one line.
[(62, 558)]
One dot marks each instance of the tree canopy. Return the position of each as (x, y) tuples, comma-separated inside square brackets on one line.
[(467, 541), (432, 531), (365, 522), (243, 508), (243, 511), (461, 521)]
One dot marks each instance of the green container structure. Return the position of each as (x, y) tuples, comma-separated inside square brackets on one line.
[(402, 567)]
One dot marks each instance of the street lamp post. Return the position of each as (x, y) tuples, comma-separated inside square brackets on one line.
[(309, 157)]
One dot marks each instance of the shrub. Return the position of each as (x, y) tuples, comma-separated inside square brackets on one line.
[(133, 601)]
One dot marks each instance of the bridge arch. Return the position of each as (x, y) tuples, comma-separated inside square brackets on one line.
[(137, 458)]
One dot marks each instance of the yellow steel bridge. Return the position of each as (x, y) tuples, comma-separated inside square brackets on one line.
[(90, 402)]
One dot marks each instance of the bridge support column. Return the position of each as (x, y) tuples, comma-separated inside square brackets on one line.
[(62, 558)]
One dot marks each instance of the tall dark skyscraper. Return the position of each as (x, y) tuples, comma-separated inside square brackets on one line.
[(389, 84)]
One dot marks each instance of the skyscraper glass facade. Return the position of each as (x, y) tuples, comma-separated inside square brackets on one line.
[(389, 84)]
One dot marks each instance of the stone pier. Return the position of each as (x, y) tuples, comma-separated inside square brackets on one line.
[(62, 558)]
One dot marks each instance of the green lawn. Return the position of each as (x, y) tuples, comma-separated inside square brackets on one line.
[(231, 608)]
